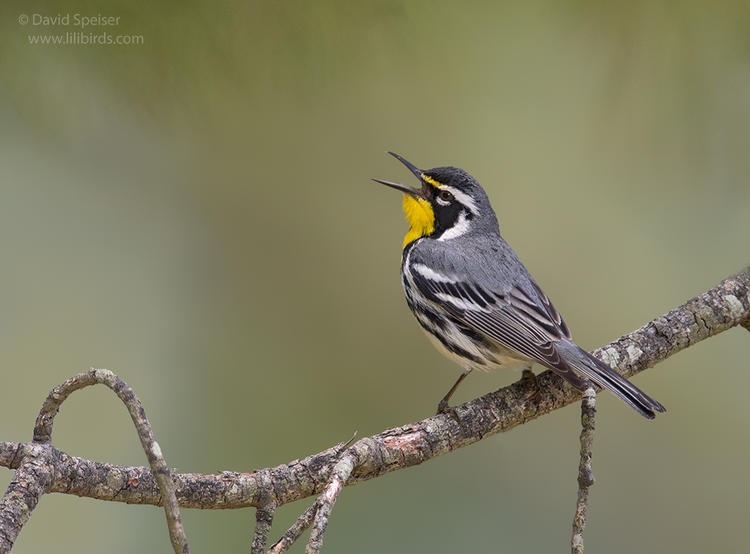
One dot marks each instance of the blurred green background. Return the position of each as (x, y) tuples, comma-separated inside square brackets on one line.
[(195, 213)]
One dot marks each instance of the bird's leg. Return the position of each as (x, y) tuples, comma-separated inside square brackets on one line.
[(535, 394), (443, 404)]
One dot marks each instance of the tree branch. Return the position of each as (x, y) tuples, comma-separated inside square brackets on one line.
[(295, 531), (263, 521), (585, 476), (724, 306), (35, 474), (39, 465), (340, 474)]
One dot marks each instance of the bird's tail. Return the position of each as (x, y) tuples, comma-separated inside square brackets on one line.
[(604, 376)]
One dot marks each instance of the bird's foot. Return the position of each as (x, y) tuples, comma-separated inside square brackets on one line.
[(444, 408)]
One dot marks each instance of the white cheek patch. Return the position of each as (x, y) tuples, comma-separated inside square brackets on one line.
[(461, 227)]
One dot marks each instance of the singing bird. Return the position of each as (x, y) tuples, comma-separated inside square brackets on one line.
[(475, 299)]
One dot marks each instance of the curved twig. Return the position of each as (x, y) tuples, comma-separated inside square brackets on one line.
[(43, 434)]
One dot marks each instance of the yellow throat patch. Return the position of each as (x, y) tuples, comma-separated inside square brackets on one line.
[(421, 218)]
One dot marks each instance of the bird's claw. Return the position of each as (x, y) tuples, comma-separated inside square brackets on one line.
[(444, 408)]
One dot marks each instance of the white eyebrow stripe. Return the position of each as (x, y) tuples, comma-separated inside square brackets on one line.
[(431, 274), (462, 197)]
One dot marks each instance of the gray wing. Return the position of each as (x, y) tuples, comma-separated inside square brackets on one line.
[(522, 320), (514, 311)]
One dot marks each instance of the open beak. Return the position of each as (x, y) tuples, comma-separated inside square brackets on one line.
[(415, 192)]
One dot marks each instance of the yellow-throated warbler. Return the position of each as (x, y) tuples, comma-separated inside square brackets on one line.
[(476, 300)]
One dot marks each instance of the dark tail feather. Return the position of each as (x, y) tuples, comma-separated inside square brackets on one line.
[(607, 378)]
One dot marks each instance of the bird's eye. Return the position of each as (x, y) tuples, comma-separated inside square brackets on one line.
[(446, 196)]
